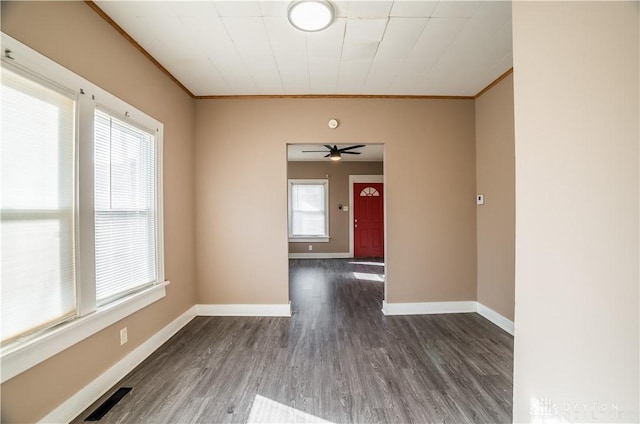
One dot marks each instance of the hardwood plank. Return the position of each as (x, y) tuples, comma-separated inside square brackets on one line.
[(336, 359)]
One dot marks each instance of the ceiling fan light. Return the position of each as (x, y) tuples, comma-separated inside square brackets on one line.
[(310, 15), (335, 155)]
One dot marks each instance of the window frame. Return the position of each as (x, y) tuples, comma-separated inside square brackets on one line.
[(307, 238), (31, 349), (159, 271)]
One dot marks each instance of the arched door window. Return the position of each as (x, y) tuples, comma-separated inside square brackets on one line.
[(369, 191)]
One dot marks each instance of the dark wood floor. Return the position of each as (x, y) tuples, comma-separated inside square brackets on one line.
[(337, 359)]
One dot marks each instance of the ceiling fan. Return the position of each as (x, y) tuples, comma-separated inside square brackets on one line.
[(335, 153)]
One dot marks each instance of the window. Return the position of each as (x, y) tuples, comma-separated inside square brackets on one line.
[(308, 210), (81, 216), (125, 236), (369, 192), (37, 224)]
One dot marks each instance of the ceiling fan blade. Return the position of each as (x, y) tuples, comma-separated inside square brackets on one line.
[(352, 153), (352, 147), (326, 156), (314, 151), (328, 147)]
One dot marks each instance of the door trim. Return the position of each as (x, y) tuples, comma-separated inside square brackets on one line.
[(364, 179)]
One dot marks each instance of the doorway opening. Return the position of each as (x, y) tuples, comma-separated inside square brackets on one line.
[(336, 225)]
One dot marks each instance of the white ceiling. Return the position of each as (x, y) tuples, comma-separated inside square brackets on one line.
[(368, 153), (380, 47)]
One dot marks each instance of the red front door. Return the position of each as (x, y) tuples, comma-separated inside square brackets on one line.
[(368, 220)]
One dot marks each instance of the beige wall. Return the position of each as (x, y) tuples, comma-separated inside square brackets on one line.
[(338, 172), (241, 192), (76, 37), (495, 179), (577, 133)]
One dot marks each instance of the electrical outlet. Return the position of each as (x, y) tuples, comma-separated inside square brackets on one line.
[(123, 336), (310, 247)]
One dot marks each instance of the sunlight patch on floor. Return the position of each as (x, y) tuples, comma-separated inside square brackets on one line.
[(268, 411), (368, 263), (368, 277)]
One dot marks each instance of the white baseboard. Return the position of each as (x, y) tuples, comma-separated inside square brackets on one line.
[(425, 308), (305, 255), (257, 310), (98, 387), (499, 320)]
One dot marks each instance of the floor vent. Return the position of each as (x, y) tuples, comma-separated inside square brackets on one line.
[(108, 404)]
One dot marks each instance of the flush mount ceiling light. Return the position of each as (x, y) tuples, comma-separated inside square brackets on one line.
[(310, 15)]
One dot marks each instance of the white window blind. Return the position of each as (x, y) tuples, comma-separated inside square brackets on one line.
[(125, 208), (308, 209), (37, 204)]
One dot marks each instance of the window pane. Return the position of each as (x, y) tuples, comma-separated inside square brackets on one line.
[(308, 210), (36, 232), (125, 208)]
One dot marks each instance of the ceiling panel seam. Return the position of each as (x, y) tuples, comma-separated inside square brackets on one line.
[(275, 60), (373, 60)]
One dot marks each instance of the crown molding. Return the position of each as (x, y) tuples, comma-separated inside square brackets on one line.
[(332, 96), (494, 83)]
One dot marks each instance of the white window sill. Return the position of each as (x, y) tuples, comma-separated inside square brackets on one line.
[(308, 239), (21, 355)]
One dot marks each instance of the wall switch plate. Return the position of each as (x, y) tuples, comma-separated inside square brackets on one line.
[(480, 199), (345, 208), (310, 247), (123, 336)]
